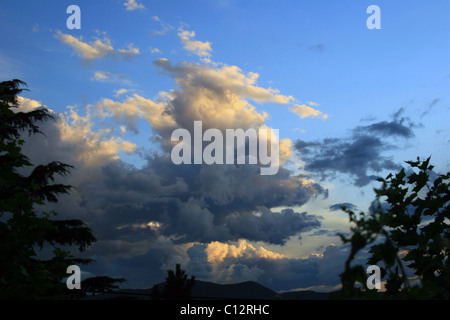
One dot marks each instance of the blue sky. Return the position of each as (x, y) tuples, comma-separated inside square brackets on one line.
[(350, 103)]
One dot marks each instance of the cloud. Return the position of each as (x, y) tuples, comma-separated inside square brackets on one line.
[(317, 48), (27, 105), (269, 226), (387, 129), (218, 252), (360, 155), (338, 206), (132, 5), (164, 27), (129, 53), (185, 209), (110, 77), (304, 111), (155, 50), (101, 75), (429, 107), (355, 156), (186, 203), (199, 48), (120, 92), (75, 132), (216, 95), (239, 261), (130, 110), (97, 49), (285, 150)]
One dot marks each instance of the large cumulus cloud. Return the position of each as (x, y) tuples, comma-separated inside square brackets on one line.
[(136, 211)]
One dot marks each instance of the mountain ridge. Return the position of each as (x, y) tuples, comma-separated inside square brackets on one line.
[(205, 290)]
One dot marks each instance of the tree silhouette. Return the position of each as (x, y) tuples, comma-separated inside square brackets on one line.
[(24, 230), (101, 284), (411, 228), (177, 285)]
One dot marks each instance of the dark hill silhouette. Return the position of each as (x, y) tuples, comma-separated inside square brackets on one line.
[(304, 295), (209, 290), (243, 290)]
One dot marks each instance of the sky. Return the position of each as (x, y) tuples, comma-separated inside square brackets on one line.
[(350, 103)]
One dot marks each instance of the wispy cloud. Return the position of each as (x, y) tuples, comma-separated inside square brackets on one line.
[(101, 75), (429, 107), (304, 111), (317, 48), (164, 27), (97, 49), (155, 50), (111, 77)]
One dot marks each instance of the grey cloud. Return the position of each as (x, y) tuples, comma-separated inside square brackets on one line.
[(178, 198), (198, 263), (282, 273), (271, 227), (317, 48), (338, 206), (360, 155), (356, 157), (430, 106), (387, 128)]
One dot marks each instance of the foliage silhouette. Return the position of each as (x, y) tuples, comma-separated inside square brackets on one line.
[(410, 229), (100, 284), (177, 285), (24, 230)]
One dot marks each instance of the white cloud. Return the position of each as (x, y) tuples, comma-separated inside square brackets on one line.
[(101, 75), (132, 5), (27, 105), (120, 92), (199, 48), (165, 27), (132, 108), (304, 111), (217, 95), (97, 49), (218, 251), (129, 53), (155, 50)]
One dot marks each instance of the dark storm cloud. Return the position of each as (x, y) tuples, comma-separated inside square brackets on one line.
[(271, 227), (356, 157), (133, 210), (198, 203), (360, 155)]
